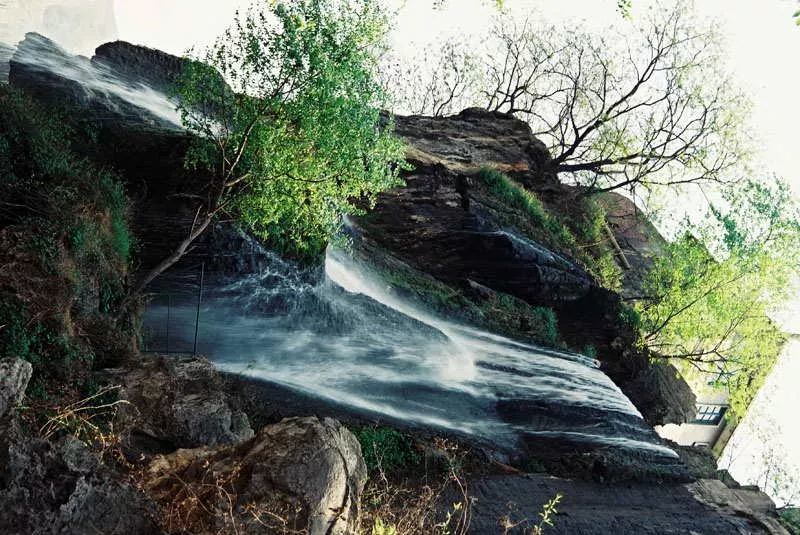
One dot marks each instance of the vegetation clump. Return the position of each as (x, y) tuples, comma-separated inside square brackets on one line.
[(578, 232), (708, 298), (66, 246), (386, 449)]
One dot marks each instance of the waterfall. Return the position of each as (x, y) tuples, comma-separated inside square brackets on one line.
[(345, 338), (93, 82)]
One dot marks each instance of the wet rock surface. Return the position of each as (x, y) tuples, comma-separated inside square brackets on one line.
[(43, 69), (306, 471)]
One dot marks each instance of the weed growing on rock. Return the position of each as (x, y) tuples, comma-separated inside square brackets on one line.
[(434, 503), (549, 510), (580, 232), (385, 449)]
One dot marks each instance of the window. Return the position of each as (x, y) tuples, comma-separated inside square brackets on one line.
[(709, 414)]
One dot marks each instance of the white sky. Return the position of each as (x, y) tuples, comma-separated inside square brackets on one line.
[(763, 50)]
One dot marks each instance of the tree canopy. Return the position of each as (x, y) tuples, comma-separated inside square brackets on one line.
[(708, 310), (285, 107)]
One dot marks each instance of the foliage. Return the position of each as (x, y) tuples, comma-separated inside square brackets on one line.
[(379, 528), (296, 141), (553, 231), (549, 510), (497, 312), (546, 515), (540, 323), (408, 503), (710, 311), (790, 518), (64, 230), (386, 449), (631, 317)]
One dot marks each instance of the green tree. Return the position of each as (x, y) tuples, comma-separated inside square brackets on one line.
[(285, 109), (709, 310)]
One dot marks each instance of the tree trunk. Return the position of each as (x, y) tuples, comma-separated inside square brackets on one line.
[(197, 229)]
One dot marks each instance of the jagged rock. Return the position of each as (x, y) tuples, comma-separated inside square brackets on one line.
[(176, 402), (14, 377), (140, 64), (307, 471), (61, 487), (663, 394), (473, 139), (750, 504)]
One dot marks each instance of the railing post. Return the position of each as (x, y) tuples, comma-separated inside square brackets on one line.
[(199, 300), (169, 310)]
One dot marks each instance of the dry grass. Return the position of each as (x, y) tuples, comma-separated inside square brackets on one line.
[(392, 505), (200, 491)]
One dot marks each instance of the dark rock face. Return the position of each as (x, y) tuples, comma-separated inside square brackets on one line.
[(155, 68), (475, 138), (308, 466), (62, 488), (433, 225), (443, 224), (176, 403), (59, 486)]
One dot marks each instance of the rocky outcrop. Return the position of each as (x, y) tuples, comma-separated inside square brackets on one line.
[(436, 226), (175, 402), (299, 475), (61, 487), (14, 377), (97, 89), (139, 64), (588, 508), (473, 139), (750, 504)]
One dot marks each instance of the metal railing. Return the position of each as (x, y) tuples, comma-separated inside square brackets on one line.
[(171, 322)]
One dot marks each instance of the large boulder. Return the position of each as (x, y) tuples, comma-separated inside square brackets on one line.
[(14, 377), (302, 474), (176, 402)]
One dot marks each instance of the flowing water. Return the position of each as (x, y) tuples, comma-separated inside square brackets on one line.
[(345, 338), (94, 81)]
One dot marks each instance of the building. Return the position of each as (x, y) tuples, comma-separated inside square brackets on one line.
[(710, 427)]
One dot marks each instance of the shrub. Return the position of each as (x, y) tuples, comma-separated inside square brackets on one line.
[(554, 232), (386, 449), (584, 233), (64, 226)]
